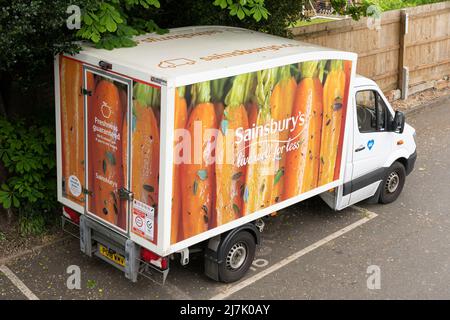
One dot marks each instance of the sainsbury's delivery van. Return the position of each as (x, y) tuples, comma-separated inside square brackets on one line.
[(184, 142)]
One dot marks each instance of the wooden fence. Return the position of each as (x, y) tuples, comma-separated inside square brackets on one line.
[(411, 46)]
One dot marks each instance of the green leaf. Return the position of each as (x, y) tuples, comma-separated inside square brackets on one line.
[(278, 175), (7, 203), (202, 174), (236, 176), (224, 126), (111, 26), (111, 158), (195, 187), (16, 202), (236, 208), (240, 13), (246, 194), (149, 188)]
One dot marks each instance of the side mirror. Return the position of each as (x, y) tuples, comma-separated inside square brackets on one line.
[(398, 124)]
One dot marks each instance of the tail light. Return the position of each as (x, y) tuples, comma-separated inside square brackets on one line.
[(71, 214), (154, 259)]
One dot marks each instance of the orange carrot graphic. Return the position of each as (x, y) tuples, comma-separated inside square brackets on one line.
[(197, 177), (281, 103), (105, 162), (180, 119), (333, 94), (261, 167), (347, 71), (230, 177), (72, 123)]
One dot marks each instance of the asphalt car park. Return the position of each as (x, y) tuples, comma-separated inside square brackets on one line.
[(308, 251)]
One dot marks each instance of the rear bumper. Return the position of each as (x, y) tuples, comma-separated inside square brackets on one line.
[(410, 162), (92, 234)]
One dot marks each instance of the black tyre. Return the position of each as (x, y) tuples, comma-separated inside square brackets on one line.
[(237, 257), (392, 184)]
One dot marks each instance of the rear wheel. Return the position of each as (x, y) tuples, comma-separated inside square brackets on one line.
[(393, 182), (237, 257)]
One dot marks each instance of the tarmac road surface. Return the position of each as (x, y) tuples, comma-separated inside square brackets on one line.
[(308, 251)]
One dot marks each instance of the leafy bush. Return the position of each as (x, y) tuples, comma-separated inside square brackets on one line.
[(32, 32), (27, 152), (386, 5)]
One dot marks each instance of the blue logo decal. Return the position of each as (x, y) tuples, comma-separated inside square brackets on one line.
[(370, 144)]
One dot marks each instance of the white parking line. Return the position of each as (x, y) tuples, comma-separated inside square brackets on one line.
[(18, 283), (245, 283)]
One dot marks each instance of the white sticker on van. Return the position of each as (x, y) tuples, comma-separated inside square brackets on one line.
[(74, 186), (143, 220)]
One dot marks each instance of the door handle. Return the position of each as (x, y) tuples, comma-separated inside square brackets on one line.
[(360, 148), (126, 194)]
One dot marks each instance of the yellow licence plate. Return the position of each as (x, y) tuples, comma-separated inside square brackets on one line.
[(111, 255)]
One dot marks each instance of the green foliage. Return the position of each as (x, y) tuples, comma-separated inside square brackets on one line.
[(276, 16), (355, 10), (32, 223), (386, 5), (32, 32), (112, 24), (91, 284), (27, 152), (244, 8)]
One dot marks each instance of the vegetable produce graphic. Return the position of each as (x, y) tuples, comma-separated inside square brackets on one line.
[(218, 88), (261, 166), (72, 124), (281, 103), (105, 152), (347, 71), (145, 143), (198, 176), (230, 178), (333, 95), (180, 119), (303, 163), (275, 139)]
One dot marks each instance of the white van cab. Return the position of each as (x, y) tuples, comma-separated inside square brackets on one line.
[(383, 149)]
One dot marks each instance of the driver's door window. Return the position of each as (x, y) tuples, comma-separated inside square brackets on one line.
[(371, 111)]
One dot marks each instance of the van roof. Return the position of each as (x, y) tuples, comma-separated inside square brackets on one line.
[(190, 53)]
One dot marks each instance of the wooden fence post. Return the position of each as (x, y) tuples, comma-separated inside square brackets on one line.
[(403, 72)]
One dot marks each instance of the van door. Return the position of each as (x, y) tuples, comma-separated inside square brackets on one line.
[(107, 179), (371, 143)]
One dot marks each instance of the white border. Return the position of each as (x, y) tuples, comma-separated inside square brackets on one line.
[(166, 167), (129, 83), (65, 201), (119, 70), (251, 217)]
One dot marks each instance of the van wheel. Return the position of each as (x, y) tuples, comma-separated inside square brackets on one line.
[(237, 257), (393, 183)]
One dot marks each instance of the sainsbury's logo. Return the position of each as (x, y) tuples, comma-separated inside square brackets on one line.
[(270, 128)]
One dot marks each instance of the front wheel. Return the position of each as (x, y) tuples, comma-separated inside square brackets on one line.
[(393, 182)]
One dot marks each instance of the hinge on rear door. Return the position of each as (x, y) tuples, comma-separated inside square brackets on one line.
[(125, 194), (86, 191), (63, 185), (86, 92)]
